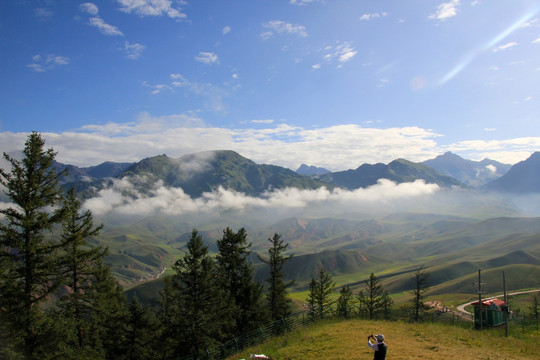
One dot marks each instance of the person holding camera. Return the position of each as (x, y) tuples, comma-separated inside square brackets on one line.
[(379, 346)]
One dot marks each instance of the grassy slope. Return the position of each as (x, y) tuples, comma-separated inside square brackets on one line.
[(334, 340)]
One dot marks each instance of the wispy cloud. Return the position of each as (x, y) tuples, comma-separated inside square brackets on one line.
[(97, 22), (505, 46), (104, 28), (446, 10), (133, 51), (302, 2), (208, 58), (226, 30), (266, 121), (42, 63), (151, 8), (367, 17), (89, 8), (537, 41), (282, 27), (43, 13), (342, 53)]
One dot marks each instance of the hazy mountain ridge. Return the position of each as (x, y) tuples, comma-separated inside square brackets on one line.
[(399, 171), (522, 178), (206, 171), (473, 173)]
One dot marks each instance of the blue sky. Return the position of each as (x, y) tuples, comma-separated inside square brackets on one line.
[(333, 83)]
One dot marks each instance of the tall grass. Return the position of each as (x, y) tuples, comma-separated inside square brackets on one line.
[(334, 340)]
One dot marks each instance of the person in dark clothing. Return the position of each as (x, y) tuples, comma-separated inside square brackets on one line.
[(380, 346)]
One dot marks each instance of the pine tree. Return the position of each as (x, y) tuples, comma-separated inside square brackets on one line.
[(345, 302), (79, 265), (196, 312), (237, 275), (30, 255), (420, 283), (534, 308), (321, 290), (375, 300), (109, 313), (142, 332), (277, 287)]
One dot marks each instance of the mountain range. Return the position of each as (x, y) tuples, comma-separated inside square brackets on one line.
[(206, 171), (348, 246)]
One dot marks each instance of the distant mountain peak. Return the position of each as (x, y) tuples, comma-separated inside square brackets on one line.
[(473, 173), (310, 170)]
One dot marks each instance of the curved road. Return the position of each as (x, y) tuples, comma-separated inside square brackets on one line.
[(461, 308)]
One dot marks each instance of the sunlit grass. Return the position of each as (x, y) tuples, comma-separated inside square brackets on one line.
[(333, 340)]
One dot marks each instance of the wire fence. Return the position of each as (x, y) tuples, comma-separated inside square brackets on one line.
[(254, 337), (517, 325)]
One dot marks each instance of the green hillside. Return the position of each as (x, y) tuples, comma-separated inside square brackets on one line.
[(330, 340)]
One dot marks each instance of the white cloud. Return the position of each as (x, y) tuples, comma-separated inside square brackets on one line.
[(281, 27), (491, 168), (133, 51), (226, 30), (302, 2), (367, 17), (122, 199), (343, 52), (207, 58), (446, 10), (265, 121), (505, 46), (537, 41), (47, 62), (103, 27), (89, 8), (151, 8), (343, 146)]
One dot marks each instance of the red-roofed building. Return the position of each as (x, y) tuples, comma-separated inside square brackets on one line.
[(492, 314)]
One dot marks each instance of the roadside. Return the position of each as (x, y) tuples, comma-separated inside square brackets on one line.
[(461, 308)]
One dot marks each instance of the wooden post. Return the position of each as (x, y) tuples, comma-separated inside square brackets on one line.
[(507, 330), (480, 298)]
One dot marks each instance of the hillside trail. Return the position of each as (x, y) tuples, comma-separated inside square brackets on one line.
[(461, 308)]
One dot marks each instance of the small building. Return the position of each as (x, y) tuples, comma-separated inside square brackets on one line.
[(492, 313)]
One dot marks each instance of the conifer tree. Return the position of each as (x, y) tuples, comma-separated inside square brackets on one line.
[(79, 265), (321, 290), (197, 316), (420, 283), (237, 275), (375, 300), (345, 302), (276, 294), (29, 252), (142, 332)]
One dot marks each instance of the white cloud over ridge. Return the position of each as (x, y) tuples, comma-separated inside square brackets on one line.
[(123, 200), (336, 148)]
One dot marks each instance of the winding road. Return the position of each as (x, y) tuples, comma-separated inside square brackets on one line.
[(461, 308)]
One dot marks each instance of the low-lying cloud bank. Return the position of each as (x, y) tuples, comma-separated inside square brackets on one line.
[(121, 202)]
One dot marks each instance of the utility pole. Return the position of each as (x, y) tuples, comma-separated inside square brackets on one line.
[(507, 309), (480, 296), (480, 284)]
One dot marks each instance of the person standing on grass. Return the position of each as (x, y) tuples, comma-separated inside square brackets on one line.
[(379, 346)]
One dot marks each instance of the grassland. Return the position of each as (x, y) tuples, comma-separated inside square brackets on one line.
[(335, 340)]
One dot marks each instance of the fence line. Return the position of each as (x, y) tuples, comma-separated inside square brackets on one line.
[(302, 318), (255, 337)]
